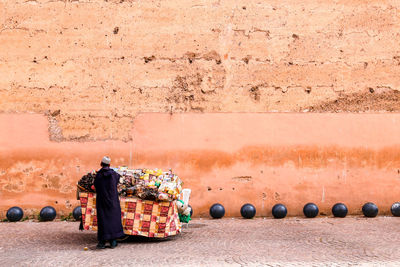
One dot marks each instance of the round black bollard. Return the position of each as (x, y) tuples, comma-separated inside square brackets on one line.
[(217, 211), (48, 213), (14, 214), (370, 210), (77, 213), (279, 211), (191, 210), (248, 211), (395, 209), (310, 210), (339, 210)]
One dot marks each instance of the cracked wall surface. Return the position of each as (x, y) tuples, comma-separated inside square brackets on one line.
[(227, 158), (93, 65)]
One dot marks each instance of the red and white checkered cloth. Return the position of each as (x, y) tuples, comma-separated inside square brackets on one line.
[(139, 217)]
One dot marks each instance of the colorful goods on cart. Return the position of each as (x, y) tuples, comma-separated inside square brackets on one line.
[(183, 210), (145, 184), (160, 190), (86, 183)]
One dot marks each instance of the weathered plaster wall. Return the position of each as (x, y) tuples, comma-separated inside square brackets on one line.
[(88, 68), (230, 158), (93, 65)]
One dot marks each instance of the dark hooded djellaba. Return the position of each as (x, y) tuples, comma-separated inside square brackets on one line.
[(108, 205)]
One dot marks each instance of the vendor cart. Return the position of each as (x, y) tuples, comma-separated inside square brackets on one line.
[(158, 219)]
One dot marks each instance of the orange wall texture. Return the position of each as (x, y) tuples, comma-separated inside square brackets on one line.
[(260, 158), (248, 101), (93, 65)]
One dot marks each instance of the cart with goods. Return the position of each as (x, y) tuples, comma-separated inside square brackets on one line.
[(149, 199)]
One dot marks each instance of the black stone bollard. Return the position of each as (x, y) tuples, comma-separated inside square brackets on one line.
[(339, 210), (48, 213), (370, 210), (279, 211), (77, 213), (248, 211), (310, 210), (191, 210), (14, 214), (217, 211), (395, 209)]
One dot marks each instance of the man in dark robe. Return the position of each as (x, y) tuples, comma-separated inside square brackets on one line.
[(107, 204)]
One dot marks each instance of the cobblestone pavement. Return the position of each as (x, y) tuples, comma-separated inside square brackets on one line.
[(226, 242)]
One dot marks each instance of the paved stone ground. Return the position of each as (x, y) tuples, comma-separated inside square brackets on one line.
[(322, 241)]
